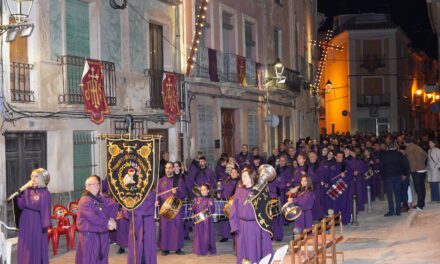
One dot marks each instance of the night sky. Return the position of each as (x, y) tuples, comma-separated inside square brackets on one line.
[(410, 15)]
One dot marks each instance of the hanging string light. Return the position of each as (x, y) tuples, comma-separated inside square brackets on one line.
[(324, 45), (197, 34)]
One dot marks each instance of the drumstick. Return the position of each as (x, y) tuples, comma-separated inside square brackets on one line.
[(339, 175), (165, 192)]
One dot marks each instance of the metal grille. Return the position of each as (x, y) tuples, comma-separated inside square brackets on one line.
[(121, 128), (20, 82), (206, 137), (73, 68)]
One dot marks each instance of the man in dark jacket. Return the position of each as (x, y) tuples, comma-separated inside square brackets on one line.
[(393, 167)]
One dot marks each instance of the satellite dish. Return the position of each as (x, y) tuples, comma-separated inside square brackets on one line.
[(272, 120)]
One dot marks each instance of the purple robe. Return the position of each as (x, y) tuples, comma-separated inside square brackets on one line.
[(122, 232), (204, 240), (93, 235), (357, 184), (304, 200), (228, 189), (202, 176), (144, 232), (343, 202), (34, 220), (275, 188), (220, 172), (317, 174), (375, 180), (243, 159), (105, 189), (252, 242), (170, 231)]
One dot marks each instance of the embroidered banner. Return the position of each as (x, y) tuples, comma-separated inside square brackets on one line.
[(129, 170), (241, 70), (262, 206), (92, 83), (259, 74), (169, 95), (213, 73)]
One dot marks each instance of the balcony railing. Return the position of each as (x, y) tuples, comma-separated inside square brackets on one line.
[(20, 82), (156, 99), (368, 100), (73, 68)]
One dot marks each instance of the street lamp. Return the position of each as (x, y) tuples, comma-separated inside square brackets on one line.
[(20, 11), (328, 86)]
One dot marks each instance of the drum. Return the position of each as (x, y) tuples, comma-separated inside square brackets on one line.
[(337, 189), (186, 210), (275, 209), (291, 211), (219, 214), (200, 217), (171, 207), (196, 191), (368, 174), (227, 207)]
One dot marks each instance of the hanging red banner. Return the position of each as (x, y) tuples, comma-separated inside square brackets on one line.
[(169, 95), (92, 83), (241, 70)]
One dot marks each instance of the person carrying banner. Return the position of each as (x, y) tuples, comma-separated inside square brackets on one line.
[(252, 241), (34, 221), (96, 216)]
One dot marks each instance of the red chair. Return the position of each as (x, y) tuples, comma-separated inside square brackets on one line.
[(62, 226)]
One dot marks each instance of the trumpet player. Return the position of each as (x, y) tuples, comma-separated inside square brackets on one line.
[(35, 219)]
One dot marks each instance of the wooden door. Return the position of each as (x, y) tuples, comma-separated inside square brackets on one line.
[(25, 151), (228, 128)]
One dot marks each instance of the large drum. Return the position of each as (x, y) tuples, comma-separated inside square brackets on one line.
[(337, 189), (200, 217), (291, 211), (186, 210), (227, 207), (171, 207), (219, 214), (275, 209)]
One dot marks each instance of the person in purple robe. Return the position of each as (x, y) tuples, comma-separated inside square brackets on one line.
[(356, 169), (337, 171), (180, 175), (272, 160), (204, 240), (304, 198), (96, 216), (276, 189), (256, 154), (228, 189), (317, 173), (284, 173), (220, 169), (298, 171), (170, 231), (291, 156), (202, 175), (142, 223), (118, 236), (34, 203), (256, 163), (252, 242), (243, 158), (377, 178)]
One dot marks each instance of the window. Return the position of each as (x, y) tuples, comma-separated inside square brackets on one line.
[(206, 137), (249, 40), (227, 32), (372, 55), (277, 43), (253, 134), (83, 161), (206, 26), (156, 65)]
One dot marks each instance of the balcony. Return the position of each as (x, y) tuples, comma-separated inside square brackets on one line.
[(156, 99), (372, 62), (226, 67), (20, 82), (73, 67), (369, 100)]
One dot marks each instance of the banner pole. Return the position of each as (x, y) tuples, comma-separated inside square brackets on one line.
[(133, 237)]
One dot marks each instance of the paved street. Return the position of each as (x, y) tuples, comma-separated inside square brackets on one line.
[(406, 239)]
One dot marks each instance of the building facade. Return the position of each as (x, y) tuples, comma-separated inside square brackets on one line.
[(225, 111), (374, 78)]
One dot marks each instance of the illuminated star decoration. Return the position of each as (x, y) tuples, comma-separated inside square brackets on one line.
[(197, 34), (324, 45)]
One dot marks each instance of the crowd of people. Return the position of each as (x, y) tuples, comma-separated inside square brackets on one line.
[(334, 174)]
